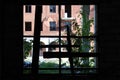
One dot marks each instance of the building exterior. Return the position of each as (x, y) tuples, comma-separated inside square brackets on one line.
[(50, 20)]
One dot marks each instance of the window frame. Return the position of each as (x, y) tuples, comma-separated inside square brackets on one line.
[(68, 37)]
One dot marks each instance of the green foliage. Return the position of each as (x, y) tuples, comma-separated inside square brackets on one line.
[(26, 71), (83, 30), (49, 71), (84, 43), (27, 46), (48, 65)]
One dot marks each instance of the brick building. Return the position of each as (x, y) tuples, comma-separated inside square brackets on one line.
[(50, 20)]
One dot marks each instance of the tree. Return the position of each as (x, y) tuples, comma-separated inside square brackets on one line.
[(27, 46), (82, 30)]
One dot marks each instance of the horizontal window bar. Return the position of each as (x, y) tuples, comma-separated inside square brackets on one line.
[(68, 68), (66, 54), (44, 46), (28, 68), (28, 36), (46, 2), (85, 68), (72, 36)]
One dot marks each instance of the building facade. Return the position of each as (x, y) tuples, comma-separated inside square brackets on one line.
[(50, 20)]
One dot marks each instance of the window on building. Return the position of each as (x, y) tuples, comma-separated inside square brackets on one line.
[(28, 8), (52, 26), (66, 24), (28, 26), (52, 8)]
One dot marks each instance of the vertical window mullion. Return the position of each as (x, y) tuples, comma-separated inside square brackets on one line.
[(59, 8), (95, 46), (69, 50), (36, 42)]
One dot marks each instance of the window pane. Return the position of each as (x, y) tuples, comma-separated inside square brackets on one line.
[(77, 28), (27, 54), (48, 44), (80, 44), (84, 64), (48, 62), (65, 63)]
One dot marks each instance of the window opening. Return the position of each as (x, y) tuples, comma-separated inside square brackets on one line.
[(52, 8), (28, 26), (52, 26), (28, 8), (68, 10)]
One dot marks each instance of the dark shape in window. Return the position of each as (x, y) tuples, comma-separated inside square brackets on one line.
[(52, 8), (28, 8), (27, 26), (52, 26)]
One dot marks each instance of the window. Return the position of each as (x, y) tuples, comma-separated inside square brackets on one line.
[(52, 26), (27, 26), (28, 8), (68, 52), (52, 8)]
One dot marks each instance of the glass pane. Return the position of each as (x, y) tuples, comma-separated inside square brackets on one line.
[(27, 54), (80, 44), (50, 20), (65, 63), (64, 49), (85, 62), (77, 22), (28, 20), (48, 44), (48, 62)]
